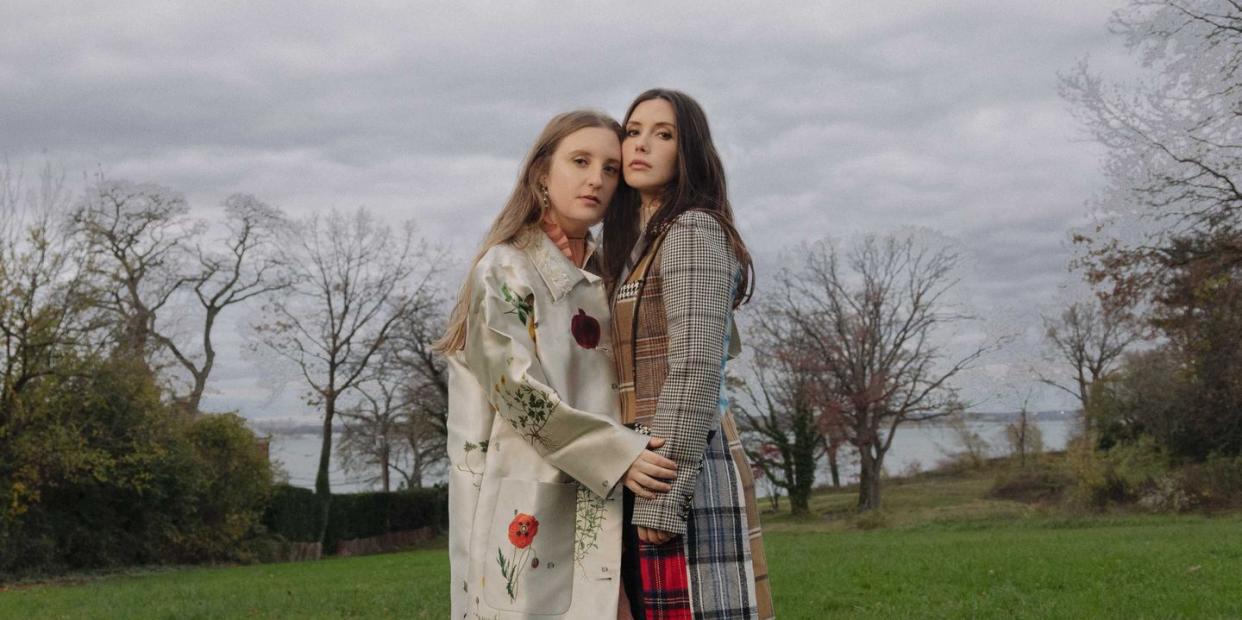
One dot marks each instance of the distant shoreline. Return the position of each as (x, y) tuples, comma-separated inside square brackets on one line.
[(296, 427)]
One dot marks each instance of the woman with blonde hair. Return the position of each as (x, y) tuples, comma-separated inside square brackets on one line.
[(534, 440)]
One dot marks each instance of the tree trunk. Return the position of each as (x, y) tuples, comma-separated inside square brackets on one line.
[(385, 468), (834, 469), (416, 471), (209, 360), (869, 480), (1022, 440), (803, 450), (323, 487)]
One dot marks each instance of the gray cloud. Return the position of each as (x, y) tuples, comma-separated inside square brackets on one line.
[(833, 117)]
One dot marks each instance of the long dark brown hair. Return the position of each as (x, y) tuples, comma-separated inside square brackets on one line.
[(699, 184)]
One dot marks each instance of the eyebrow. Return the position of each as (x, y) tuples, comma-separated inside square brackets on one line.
[(661, 123), (586, 152)]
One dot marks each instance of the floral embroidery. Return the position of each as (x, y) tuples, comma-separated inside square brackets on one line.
[(467, 466), (554, 268), (585, 329), (524, 308), (588, 519), (532, 406), (522, 531)]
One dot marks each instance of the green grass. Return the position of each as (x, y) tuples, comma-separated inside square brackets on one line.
[(938, 550), (1173, 569), (406, 585)]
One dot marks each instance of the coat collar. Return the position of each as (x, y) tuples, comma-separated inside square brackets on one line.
[(558, 272)]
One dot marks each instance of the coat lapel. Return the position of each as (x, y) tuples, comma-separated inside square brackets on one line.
[(557, 272)]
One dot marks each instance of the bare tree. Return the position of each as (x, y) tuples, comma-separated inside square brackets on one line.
[(835, 435), (769, 453), (785, 401), (870, 318), (1171, 143), (137, 235), (248, 268), (1088, 337), (45, 308), (1168, 230), (425, 448), (972, 447), (371, 442), (400, 426), (1025, 438), (425, 371), (354, 279)]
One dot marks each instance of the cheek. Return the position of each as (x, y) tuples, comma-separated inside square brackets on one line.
[(609, 188), (558, 179), (670, 159)]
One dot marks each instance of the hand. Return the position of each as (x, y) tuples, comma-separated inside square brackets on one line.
[(654, 537), (643, 476)]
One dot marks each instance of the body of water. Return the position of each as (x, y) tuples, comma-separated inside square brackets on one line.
[(919, 447), (299, 455)]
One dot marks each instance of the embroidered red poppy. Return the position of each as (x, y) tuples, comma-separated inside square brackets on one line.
[(522, 530), (585, 329)]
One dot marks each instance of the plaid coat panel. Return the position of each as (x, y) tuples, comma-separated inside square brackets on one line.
[(672, 320), (696, 270)]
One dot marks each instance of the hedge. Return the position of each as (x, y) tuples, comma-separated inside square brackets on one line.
[(294, 511)]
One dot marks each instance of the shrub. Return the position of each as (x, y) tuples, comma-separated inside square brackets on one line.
[(100, 459), (108, 475), (1117, 476), (1034, 484), (229, 489), (1167, 493), (870, 520), (1215, 484)]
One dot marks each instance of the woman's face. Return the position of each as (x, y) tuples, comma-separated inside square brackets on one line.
[(582, 178), (650, 148)]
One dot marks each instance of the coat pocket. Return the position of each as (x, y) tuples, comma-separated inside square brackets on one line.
[(530, 566)]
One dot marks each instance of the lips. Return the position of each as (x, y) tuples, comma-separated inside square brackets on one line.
[(589, 198), (640, 164)]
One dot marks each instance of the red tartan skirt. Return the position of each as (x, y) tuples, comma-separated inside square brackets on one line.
[(666, 581)]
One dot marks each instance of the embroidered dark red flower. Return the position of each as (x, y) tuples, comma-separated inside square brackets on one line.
[(522, 530), (585, 329)]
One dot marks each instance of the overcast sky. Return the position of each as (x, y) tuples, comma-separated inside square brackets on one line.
[(833, 118)]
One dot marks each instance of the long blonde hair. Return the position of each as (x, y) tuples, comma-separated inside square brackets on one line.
[(523, 209)]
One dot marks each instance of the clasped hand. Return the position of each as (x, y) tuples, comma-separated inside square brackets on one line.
[(645, 478)]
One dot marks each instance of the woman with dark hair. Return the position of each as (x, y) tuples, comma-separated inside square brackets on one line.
[(677, 268), (534, 438)]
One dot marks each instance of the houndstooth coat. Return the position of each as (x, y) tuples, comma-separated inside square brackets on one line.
[(672, 329), (534, 441)]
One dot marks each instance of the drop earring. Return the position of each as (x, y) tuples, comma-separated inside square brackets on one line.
[(543, 196)]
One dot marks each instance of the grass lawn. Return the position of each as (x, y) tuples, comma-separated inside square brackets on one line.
[(939, 550)]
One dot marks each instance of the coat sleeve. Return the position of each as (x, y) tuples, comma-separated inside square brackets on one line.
[(698, 272), (500, 350)]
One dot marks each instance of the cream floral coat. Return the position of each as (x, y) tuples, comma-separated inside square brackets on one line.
[(535, 443)]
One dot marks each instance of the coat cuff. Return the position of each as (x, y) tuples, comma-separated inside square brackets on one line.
[(667, 512), (600, 463)]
